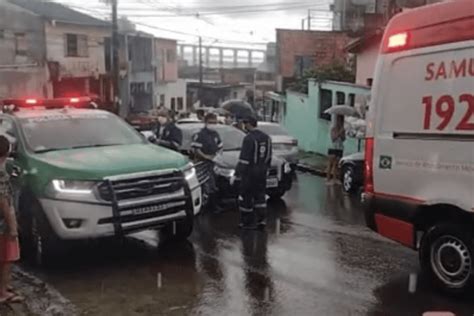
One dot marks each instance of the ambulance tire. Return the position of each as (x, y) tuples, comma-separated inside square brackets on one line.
[(447, 256)]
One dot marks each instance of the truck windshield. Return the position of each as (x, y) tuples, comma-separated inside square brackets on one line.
[(66, 131)]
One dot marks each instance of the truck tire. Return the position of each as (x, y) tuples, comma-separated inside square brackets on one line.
[(177, 231), (447, 256), (39, 242)]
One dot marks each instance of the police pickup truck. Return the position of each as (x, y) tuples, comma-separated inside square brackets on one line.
[(84, 174)]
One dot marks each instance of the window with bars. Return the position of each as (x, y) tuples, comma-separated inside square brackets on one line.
[(76, 45), (20, 44)]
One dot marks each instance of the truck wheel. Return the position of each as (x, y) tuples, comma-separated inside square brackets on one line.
[(177, 231), (447, 255), (348, 183), (42, 244)]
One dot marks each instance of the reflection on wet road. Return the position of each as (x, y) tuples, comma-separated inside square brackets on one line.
[(315, 258)]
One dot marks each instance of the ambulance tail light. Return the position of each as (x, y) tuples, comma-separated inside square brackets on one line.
[(74, 100), (31, 101), (398, 40), (369, 166)]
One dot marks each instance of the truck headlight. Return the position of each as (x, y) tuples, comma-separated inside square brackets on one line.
[(72, 190), (224, 172), (73, 187)]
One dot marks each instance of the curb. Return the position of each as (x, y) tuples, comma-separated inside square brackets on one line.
[(309, 169), (42, 299)]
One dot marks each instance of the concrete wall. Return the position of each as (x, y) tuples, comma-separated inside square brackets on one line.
[(366, 60), (301, 117), (169, 90), (166, 69), (93, 65), (21, 75), (323, 46)]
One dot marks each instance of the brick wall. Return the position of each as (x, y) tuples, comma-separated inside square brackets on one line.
[(323, 47)]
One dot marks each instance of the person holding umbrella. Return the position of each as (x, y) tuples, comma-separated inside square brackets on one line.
[(338, 136)]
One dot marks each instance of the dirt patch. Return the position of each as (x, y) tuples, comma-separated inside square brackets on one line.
[(41, 299)]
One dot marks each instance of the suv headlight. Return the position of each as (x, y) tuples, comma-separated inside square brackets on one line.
[(72, 190), (287, 167), (189, 172), (224, 172)]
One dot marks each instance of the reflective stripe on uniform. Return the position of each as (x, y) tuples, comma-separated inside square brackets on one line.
[(196, 145), (245, 210), (241, 198), (261, 205), (244, 162)]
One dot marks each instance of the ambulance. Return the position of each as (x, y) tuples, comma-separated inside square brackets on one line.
[(419, 155)]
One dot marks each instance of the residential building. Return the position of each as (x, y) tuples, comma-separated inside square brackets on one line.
[(305, 118), (298, 51), (365, 50), (22, 53), (213, 94), (73, 49), (137, 72), (170, 91)]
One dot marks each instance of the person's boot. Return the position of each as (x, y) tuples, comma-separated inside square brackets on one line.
[(261, 218)]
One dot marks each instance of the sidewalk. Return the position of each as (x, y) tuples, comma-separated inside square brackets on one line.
[(312, 163), (40, 298)]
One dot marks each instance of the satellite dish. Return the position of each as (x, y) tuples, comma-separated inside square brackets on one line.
[(410, 3)]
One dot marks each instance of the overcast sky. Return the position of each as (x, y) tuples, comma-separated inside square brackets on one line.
[(222, 22)]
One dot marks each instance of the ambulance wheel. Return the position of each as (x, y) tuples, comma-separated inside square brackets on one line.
[(447, 255), (348, 181)]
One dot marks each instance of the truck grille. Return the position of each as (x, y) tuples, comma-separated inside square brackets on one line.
[(202, 172), (135, 188)]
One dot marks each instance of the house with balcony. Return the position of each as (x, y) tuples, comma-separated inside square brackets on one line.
[(72, 45)]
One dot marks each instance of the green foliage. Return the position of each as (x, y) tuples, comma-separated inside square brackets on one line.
[(334, 72)]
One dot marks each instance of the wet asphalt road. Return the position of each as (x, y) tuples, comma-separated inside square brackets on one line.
[(315, 258)]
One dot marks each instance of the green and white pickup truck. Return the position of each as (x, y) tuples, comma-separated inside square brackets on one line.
[(85, 174)]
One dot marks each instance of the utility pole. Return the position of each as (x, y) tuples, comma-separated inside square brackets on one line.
[(309, 19), (115, 58), (200, 72)]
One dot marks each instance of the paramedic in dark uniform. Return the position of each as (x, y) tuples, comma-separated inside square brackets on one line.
[(207, 144), (255, 159), (167, 133)]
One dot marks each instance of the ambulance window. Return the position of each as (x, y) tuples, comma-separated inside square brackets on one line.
[(340, 98), (326, 103)]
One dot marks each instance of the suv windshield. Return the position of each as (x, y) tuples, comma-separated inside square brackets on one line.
[(68, 131)]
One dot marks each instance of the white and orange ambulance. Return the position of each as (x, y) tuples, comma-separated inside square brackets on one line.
[(419, 159)]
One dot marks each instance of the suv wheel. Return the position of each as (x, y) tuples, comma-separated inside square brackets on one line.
[(41, 243), (348, 181), (177, 231), (447, 254)]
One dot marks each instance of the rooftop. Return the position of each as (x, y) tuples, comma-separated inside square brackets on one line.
[(58, 12)]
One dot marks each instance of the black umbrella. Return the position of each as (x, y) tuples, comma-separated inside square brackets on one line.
[(238, 108)]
